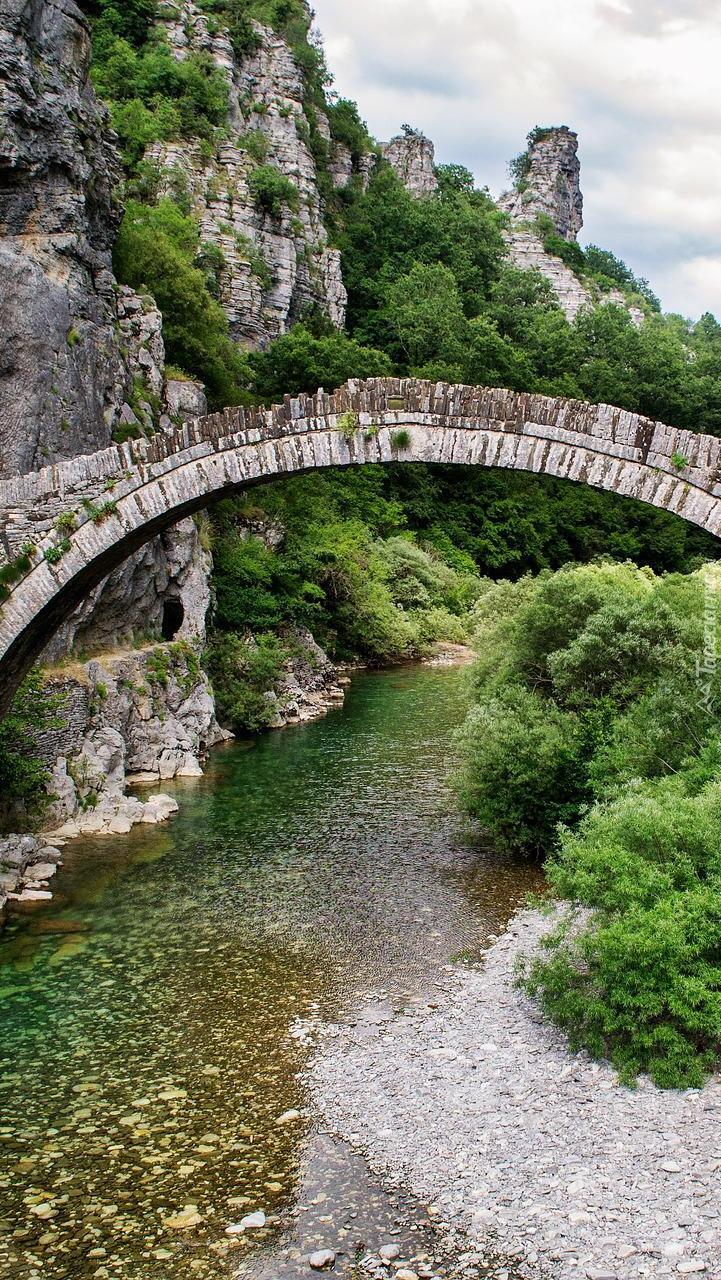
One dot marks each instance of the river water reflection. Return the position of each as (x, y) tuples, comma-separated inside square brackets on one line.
[(156, 1014)]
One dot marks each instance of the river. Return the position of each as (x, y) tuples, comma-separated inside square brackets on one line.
[(157, 1015)]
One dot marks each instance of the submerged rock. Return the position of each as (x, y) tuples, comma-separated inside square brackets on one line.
[(252, 1221), (321, 1259)]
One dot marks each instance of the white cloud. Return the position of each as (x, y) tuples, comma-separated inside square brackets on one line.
[(636, 78)]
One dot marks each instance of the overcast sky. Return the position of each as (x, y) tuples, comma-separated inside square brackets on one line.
[(639, 80)]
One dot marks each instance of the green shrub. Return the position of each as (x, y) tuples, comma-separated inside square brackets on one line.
[(272, 191), (156, 250), (437, 623), (23, 776), (586, 684), (16, 568), (255, 142), (66, 522), (152, 96), (348, 425), (401, 440), (243, 669), (569, 252), (523, 769), (640, 982), (606, 267), (54, 554), (347, 128), (302, 361), (99, 512)]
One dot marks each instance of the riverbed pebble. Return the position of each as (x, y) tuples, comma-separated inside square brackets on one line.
[(389, 1252), (321, 1259), (539, 1154), (252, 1221)]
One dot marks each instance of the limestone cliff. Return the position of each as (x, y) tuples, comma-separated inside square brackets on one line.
[(278, 263), (80, 358), (548, 185), (145, 712), (412, 155), (73, 352), (549, 182)]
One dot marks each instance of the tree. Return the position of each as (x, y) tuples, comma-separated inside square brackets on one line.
[(300, 361), (423, 316)]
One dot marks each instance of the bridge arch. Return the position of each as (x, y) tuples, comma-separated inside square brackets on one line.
[(66, 527)]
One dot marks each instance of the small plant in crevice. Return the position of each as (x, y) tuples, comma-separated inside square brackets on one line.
[(272, 191), (15, 569), (348, 424), (99, 513), (678, 461), (401, 439), (53, 555), (66, 522)]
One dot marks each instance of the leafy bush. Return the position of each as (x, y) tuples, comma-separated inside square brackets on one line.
[(243, 669), (154, 97), (641, 981), (523, 769), (586, 685), (567, 250), (347, 127), (300, 361), (158, 250), (272, 191), (339, 568), (611, 646), (23, 776), (606, 267)]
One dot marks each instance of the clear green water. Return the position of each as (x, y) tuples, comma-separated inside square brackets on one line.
[(156, 1014)]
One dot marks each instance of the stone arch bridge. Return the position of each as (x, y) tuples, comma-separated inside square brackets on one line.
[(63, 529)]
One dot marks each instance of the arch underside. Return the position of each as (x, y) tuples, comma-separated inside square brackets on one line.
[(158, 493)]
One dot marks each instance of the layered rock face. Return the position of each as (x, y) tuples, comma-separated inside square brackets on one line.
[(146, 712), (162, 591), (412, 156), (79, 358), (70, 350), (551, 188), (551, 185), (527, 252), (277, 264)]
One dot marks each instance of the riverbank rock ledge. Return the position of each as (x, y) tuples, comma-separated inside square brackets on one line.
[(537, 1153), (27, 864), (310, 685), (143, 715)]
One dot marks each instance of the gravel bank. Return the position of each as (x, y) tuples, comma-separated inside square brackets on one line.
[(540, 1155)]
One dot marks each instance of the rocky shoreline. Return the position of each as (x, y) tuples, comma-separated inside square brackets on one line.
[(161, 732), (476, 1105)]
